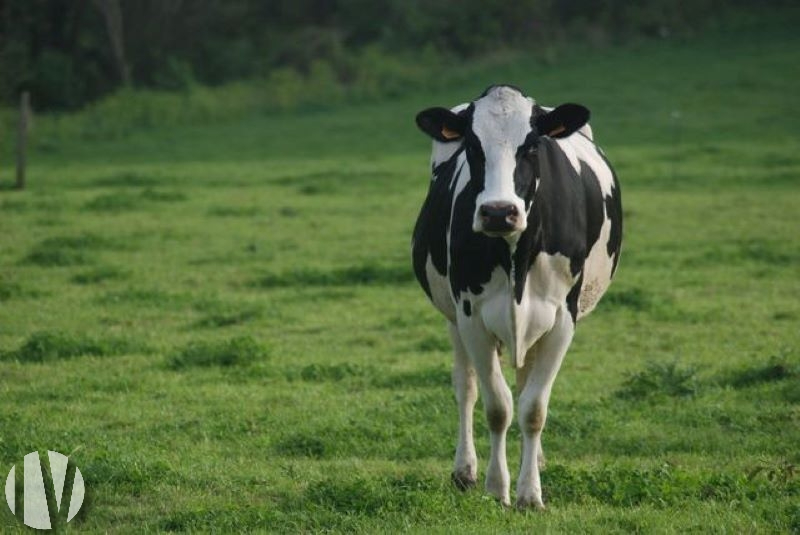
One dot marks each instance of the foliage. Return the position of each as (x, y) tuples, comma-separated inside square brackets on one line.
[(61, 50)]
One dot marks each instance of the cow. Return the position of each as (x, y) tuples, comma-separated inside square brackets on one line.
[(517, 239)]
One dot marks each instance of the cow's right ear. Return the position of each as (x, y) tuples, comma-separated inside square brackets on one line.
[(442, 124)]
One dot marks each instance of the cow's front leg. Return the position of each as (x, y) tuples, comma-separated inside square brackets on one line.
[(536, 377), (497, 402), (465, 469)]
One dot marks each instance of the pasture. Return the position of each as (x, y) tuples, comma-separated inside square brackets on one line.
[(219, 323)]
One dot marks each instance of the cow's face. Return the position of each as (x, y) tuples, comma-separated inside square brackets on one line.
[(500, 132)]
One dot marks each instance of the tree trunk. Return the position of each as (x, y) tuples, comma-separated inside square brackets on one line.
[(112, 13), (22, 137)]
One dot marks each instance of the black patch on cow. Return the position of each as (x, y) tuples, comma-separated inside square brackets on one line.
[(527, 170), (467, 308), (566, 216), (560, 206), (572, 298), (430, 231), (614, 212), (473, 256)]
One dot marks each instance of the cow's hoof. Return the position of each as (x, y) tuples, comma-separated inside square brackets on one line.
[(463, 480), (530, 503)]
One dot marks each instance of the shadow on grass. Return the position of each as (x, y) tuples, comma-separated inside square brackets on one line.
[(128, 179), (99, 275), (60, 251), (363, 275), (333, 182), (120, 201), (777, 368), (233, 352)]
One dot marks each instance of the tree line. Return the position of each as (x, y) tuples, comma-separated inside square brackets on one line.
[(67, 53)]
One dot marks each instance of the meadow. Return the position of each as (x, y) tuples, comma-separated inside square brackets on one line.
[(219, 324)]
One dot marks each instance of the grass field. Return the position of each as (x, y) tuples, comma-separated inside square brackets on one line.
[(220, 326)]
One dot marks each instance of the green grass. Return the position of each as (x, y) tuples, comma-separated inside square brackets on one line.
[(219, 323)]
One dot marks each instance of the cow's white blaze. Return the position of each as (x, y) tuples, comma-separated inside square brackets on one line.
[(501, 122)]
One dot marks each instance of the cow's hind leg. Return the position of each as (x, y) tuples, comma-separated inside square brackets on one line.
[(497, 402), (536, 381), (465, 469)]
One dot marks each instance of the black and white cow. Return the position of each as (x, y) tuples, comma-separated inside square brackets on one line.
[(518, 238)]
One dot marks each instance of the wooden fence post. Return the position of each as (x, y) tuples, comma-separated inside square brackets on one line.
[(22, 136)]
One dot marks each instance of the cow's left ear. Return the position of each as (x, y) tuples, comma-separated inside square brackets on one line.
[(563, 121), (442, 124)]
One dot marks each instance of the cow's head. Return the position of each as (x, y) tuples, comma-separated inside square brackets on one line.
[(500, 132)]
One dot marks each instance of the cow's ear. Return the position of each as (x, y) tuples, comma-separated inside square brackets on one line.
[(563, 121), (442, 124)]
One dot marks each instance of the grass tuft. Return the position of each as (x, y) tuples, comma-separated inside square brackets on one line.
[(10, 290), (301, 445), (218, 314), (239, 351), (634, 299), (434, 343), (660, 486), (659, 379), (434, 377), (234, 211), (46, 346), (334, 372), (371, 496)]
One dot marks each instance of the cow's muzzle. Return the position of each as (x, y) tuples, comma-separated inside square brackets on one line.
[(498, 218)]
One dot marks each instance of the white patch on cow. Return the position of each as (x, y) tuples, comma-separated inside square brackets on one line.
[(501, 121), (596, 270), (463, 177), (441, 296), (577, 149), (442, 152), (548, 283), (518, 326)]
